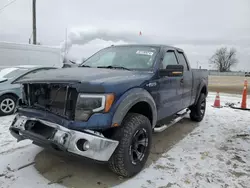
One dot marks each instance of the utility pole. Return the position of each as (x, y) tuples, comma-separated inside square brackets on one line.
[(34, 20)]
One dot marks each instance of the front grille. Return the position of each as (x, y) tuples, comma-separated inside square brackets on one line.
[(59, 99)]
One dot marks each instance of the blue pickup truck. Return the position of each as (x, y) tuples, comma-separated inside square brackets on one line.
[(107, 108)]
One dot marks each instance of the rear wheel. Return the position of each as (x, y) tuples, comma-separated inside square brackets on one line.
[(7, 104), (198, 111), (134, 138)]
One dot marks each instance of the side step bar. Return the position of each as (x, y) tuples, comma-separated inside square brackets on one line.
[(180, 115)]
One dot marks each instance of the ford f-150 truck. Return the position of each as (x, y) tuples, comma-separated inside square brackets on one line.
[(107, 108)]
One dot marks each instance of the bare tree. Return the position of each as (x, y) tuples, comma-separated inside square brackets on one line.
[(224, 59)]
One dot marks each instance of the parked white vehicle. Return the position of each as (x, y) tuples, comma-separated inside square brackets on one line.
[(12, 54)]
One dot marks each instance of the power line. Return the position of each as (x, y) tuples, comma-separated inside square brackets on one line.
[(8, 4)]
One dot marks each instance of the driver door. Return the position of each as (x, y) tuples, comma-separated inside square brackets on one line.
[(170, 90)]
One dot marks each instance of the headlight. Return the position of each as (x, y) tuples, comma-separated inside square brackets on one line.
[(87, 104)]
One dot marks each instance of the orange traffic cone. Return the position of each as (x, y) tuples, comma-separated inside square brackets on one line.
[(244, 96), (217, 101)]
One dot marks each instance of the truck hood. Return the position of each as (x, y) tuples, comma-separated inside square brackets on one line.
[(88, 79)]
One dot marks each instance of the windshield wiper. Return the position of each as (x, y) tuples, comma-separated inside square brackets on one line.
[(113, 67), (84, 66)]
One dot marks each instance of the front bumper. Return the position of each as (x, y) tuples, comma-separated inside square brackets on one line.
[(86, 144)]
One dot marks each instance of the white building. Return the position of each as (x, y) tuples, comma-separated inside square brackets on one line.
[(12, 54)]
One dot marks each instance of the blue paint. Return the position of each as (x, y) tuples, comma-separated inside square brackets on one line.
[(168, 93)]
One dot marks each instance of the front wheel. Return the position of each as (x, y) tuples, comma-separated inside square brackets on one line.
[(134, 138), (198, 111), (7, 104)]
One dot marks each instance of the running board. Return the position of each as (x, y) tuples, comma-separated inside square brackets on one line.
[(180, 114)]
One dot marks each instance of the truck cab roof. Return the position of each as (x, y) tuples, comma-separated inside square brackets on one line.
[(161, 46)]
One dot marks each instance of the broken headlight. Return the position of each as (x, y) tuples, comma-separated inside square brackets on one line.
[(88, 104)]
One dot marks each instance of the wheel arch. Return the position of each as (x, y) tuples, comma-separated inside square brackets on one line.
[(142, 108), (202, 89), (136, 100), (11, 94)]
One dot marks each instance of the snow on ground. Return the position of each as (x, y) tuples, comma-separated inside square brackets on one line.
[(215, 154), (7, 143)]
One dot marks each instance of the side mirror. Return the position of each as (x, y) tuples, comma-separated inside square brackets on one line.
[(172, 71)]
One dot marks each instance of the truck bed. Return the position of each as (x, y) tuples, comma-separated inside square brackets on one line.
[(199, 76)]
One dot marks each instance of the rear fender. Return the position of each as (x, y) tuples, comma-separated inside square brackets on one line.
[(200, 86)]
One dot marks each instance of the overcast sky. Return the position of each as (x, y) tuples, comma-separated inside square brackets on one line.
[(197, 26)]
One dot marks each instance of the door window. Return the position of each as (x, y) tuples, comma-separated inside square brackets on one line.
[(169, 59)]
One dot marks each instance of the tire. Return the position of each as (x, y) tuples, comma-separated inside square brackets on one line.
[(198, 111), (7, 104), (122, 161)]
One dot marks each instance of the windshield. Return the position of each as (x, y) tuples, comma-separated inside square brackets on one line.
[(129, 57), (12, 72)]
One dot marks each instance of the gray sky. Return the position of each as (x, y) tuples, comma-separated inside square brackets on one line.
[(197, 26)]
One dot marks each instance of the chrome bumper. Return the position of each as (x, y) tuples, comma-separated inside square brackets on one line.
[(96, 147)]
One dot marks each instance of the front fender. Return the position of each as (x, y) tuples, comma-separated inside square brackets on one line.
[(15, 91), (128, 100)]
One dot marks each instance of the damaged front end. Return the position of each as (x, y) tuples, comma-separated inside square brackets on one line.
[(58, 116), (59, 99), (47, 134)]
